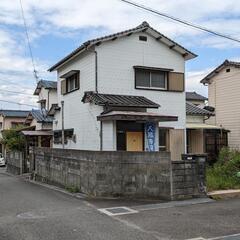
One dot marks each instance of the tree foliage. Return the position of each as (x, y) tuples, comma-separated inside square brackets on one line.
[(13, 140)]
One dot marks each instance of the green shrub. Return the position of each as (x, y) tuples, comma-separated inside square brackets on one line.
[(13, 140), (224, 173)]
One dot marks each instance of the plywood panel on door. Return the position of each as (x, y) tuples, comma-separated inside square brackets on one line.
[(134, 141)]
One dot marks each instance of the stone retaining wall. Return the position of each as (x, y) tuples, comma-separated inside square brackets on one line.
[(111, 173)]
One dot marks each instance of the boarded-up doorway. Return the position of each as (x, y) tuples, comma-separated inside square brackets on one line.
[(134, 141)]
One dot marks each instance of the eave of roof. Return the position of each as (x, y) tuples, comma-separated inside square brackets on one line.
[(137, 116), (226, 63), (14, 113), (45, 84), (142, 27)]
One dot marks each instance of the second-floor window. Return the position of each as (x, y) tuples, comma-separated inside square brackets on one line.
[(153, 79), (1, 125), (72, 82)]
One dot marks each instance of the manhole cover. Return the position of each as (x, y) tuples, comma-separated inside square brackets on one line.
[(29, 215), (114, 211)]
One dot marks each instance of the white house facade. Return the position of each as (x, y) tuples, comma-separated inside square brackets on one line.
[(124, 91)]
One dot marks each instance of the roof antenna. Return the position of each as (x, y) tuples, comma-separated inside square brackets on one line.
[(35, 73)]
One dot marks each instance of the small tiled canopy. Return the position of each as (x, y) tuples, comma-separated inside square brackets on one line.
[(119, 100)]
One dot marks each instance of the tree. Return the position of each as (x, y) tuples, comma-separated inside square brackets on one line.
[(13, 140)]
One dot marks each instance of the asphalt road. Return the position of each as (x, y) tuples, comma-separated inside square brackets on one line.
[(32, 212)]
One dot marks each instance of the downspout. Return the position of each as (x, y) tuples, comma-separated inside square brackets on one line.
[(96, 90), (48, 100), (96, 67), (96, 71)]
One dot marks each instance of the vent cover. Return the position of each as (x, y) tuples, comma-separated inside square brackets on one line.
[(143, 38)]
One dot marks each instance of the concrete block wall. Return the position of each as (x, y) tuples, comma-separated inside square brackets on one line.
[(188, 179), (112, 173), (15, 162)]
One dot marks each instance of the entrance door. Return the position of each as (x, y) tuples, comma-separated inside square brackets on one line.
[(134, 141)]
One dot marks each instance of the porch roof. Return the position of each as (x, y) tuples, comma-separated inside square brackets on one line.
[(37, 133), (135, 116), (115, 100), (201, 126)]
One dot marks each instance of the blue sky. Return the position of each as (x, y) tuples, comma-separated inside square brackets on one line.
[(58, 27)]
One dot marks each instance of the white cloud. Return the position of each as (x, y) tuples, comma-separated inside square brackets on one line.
[(193, 79), (67, 17)]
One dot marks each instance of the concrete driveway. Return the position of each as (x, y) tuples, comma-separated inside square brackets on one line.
[(33, 212)]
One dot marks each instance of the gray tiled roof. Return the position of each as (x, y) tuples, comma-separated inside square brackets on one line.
[(195, 96), (41, 116), (142, 27), (192, 109), (118, 100), (226, 63), (14, 113), (45, 84)]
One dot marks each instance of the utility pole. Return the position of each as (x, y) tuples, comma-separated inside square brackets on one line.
[(62, 104)]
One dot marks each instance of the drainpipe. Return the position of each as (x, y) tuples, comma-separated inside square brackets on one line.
[(62, 104), (96, 90), (96, 71), (48, 100), (96, 67)]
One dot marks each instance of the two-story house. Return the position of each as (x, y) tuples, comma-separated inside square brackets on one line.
[(124, 92), (10, 119), (41, 124), (223, 94)]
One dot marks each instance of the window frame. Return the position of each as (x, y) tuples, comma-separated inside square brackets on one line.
[(150, 74), (163, 148), (75, 80)]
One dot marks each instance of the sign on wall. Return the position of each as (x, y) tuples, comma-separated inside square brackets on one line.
[(150, 135)]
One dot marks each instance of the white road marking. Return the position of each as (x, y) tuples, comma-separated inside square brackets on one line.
[(108, 212)]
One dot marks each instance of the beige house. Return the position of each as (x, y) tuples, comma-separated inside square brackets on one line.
[(223, 94), (202, 137), (11, 119)]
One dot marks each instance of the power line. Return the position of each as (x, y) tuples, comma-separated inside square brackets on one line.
[(17, 103), (181, 21), (28, 94), (28, 41)]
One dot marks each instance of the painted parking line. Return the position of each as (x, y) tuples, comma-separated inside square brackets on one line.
[(123, 210), (227, 237), (116, 211)]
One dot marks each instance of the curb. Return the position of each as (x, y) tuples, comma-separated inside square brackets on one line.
[(224, 194), (76, 195)]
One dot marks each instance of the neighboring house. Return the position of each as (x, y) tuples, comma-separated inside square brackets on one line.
[(47, 94), (123, 92), (11, 119), (223, 94), (196, 99), (201, 136), (41, 124)]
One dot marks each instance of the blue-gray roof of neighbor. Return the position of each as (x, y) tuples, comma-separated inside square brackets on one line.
[(14, 113), (41, 116), (45, 84), (142, 27)]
